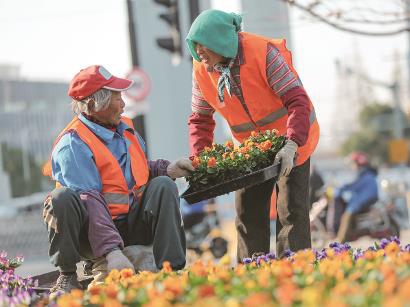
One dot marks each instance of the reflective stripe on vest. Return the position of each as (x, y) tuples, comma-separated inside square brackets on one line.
[(271, 118), (116, 198)]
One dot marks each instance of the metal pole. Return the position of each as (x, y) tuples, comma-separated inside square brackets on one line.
[(397, 111), (398, 123), (407, 15), (139, 120), (194, 9)]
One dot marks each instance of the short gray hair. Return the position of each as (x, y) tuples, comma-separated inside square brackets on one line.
[(101, 100)]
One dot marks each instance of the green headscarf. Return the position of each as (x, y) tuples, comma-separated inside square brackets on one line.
[(216, 30)]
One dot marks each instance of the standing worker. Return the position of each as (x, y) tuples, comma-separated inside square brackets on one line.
[(250, 80)]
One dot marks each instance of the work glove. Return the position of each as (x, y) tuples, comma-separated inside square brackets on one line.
[(142, 257), (180, 168), (117, 260), (286, 156)]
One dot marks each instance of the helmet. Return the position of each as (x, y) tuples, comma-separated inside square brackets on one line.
[(359, 158)]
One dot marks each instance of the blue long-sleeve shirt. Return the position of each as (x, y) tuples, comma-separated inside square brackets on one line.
[(72, 160), (364, 191)]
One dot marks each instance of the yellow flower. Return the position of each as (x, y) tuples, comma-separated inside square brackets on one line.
[(225, 260), (77, 293), (394, 301), (240, 270), (250, 284), (392, 248), (95, 299), (68, 301), (232, 302), (371, 287), (310, 297)]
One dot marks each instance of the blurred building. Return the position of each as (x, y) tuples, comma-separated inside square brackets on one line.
[(267, 17), (32, 113)]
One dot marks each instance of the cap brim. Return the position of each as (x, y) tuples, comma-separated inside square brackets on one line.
[(118, 84)]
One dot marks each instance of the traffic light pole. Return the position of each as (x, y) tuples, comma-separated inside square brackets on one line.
[(139, 120), (194, 9)]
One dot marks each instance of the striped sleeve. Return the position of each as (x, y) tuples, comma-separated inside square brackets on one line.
[(280, 77), (198, 103)]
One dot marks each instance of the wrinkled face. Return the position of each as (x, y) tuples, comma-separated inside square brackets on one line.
[(112, 115), (207, 56)]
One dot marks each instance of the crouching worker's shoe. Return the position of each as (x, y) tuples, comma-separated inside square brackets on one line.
[(64, 284), (104, 265)]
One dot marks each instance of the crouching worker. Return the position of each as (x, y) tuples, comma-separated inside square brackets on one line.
[(108, 197)]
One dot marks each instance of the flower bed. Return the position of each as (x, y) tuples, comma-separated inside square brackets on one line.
[(14, 291), (335, 276), (224, 162)]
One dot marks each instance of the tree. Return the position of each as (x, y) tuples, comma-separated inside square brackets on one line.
[(364, 17), (375, 132), (13, 165)]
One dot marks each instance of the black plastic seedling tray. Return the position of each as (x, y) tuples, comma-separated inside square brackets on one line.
[(247, 180)]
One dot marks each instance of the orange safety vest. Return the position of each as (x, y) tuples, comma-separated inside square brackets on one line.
[(266, 109), (114, 186)]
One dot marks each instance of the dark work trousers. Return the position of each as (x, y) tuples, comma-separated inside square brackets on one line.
[(155, 220), (292, 226)]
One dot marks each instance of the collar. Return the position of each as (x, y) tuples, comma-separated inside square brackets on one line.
[(103, 133), (240, 59)]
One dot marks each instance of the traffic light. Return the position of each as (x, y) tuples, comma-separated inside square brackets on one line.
[(173, 42)]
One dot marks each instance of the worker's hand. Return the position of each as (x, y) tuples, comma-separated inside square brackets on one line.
[(286, 156), (180, 168)]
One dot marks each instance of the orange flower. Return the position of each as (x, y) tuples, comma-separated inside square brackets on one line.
[(265, 146), (95, 290), (68, 301), (286, 293), (244, 150), (111, 291), (109, 302), (392, 248), (166, 267), (206, 290), (212, 162), (257, 299), (77, 293), (232, 155), (254, 133), (199, 269), (229, 144), (196, 161), (125, 273), (174, 286)]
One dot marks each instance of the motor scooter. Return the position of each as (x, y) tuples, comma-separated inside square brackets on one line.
[(202, 229), (376, 221)]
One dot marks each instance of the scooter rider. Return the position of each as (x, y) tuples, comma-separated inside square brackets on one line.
[(361, 194)]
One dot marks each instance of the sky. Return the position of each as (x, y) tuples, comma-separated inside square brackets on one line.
[(53, 40)]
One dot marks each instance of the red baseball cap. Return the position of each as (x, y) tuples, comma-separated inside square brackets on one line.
[(93, 78)]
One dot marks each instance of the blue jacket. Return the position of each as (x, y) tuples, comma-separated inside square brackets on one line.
[(364, 191)]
